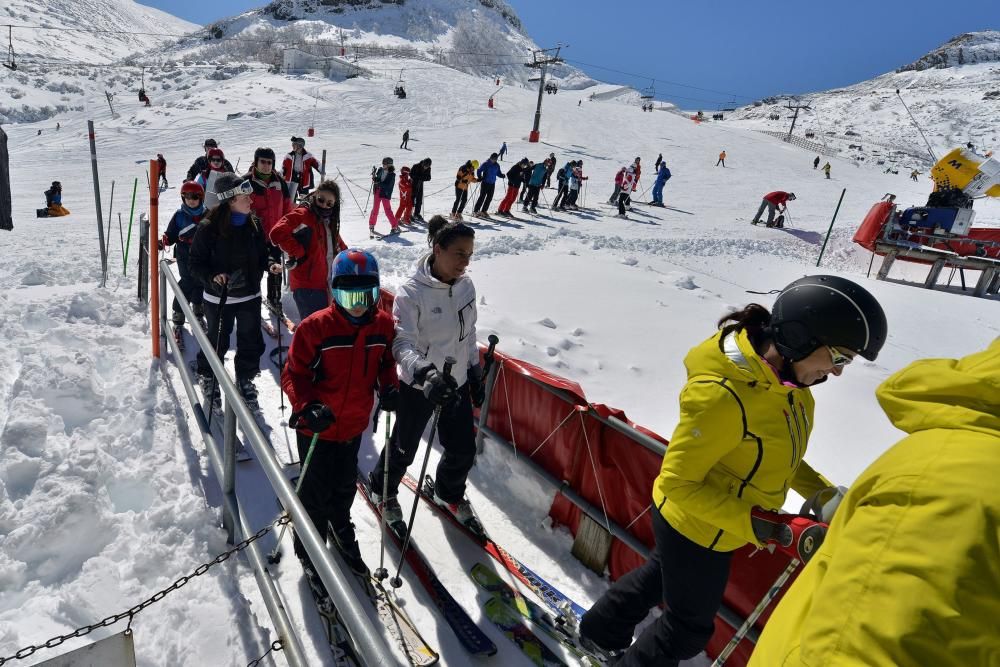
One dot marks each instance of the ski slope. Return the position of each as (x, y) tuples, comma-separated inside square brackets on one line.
[(106, 493)]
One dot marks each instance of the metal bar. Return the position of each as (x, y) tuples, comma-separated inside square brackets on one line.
[(97, 201), (229, 468), (154, 253), (484, 411), (368, 640)]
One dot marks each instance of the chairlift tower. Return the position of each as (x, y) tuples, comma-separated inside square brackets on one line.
[(540, 60), (795, 107)]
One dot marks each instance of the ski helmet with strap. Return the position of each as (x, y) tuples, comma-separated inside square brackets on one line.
[(192, 188), (827, 310)]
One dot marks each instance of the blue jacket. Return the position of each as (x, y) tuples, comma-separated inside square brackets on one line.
[(488, 172), (181, 229), (537, 175), (663, 175), (386, 181)]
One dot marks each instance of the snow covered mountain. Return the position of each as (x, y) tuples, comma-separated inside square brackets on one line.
[(953, 92)]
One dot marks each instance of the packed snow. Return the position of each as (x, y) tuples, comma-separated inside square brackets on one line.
[(107, 495)]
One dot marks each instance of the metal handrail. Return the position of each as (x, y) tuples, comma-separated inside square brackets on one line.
[(369, 642)]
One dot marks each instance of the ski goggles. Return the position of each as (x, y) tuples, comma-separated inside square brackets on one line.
[(244, 188), (351, 298), (838, 358)]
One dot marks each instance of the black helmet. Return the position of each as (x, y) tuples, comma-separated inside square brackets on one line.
[(211, 143), (266, 153), (827, 310)]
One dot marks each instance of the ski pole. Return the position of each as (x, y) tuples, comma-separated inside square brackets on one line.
[(396, 582), (275, 555), (382, 573), (755, 614), (484, 410), (281, 363), (370, 188), (218, 343)]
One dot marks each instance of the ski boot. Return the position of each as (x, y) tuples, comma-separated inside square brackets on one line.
[(210, 388), (347, 544), (390, 509), (462, 511), (249, 393), (603, 655), (316, 587)]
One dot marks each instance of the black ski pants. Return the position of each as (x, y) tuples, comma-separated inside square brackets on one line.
[(249, 339), (461, 197), (485, 197), (273, 279), (328, 485), (524, 190), (560, 195), (454, 432), (571, 197), (190, 287), (623, 200), (689, 578), (418, 196), (531, 201)]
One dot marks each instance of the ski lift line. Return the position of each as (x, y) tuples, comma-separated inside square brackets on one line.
[(669, 83)]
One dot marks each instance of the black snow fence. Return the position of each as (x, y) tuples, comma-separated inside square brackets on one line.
[(6, 221)]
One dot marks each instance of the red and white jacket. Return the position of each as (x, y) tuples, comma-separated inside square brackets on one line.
[(341, 365), (270, 199), (316, 257), (308, 163), (405, 184)]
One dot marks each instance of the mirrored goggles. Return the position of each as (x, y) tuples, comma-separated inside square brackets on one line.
[(350, 298), (838, 358), (244, 188)]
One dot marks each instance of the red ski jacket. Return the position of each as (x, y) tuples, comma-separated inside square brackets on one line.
[(777, 197), (405, 183), (305, 239), (271, 200), (341, 365), (304, 179)]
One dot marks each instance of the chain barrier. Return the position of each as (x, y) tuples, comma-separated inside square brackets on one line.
[(275, 646), (130, 613)]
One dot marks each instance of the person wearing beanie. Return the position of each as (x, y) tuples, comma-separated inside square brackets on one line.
[(271, 201), (383, 181), (216, 167), (229, 257), (310, 236), (201, 163), (297, 168), (405, 196)]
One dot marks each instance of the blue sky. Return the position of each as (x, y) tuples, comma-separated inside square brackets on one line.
[(721, 48)]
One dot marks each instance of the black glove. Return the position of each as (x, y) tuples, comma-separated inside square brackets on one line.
[(439, 388), (477, 388), (303, 235), (388, 399), (316, 417), (292, 262)]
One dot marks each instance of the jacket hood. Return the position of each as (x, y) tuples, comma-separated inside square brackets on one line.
[(946, 393), (737, 361)]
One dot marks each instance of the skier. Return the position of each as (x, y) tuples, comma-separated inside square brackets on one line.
[(613, 199), (722, 160), (826, 169), (271, 202), (662, 176), (466, 174), (548, 173), (406, 140), (310, 236), (57, 127), (777, 200), (162, 164), (383, 182), (515, 176), (816, 162), (53, 201), (538, 175), (638, 172), (201, 163), (659, 159), (330, 388), (562, 178), (297, 169), (420, 173), (405, 196), (435, 314), (216, 167), (574, 182), (914, 174), (524, 184), (876, 592), (625, 194), (487, 175), (229, 253), (180, 234), (749, 381), (503, 151)]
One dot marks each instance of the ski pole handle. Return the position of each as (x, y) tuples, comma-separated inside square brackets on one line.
[(490, 356), (448, 363)]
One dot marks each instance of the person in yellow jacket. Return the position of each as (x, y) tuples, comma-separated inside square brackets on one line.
[(826, 169), (909, 573), (746, 413), (466, 174)]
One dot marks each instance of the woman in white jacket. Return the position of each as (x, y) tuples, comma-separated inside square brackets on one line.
[(435, 313)]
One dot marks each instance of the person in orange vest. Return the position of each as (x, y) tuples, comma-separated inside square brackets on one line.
[(722, 160)]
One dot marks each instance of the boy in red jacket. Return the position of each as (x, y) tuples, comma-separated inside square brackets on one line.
[(405, 196), (338, 358)]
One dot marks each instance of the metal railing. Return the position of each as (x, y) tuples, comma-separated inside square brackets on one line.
[(369, 642)]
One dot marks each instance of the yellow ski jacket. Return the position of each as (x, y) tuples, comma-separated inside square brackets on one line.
[(740, 442), (909, 573)]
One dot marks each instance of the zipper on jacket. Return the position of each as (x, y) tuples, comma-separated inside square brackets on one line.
[(798, 450), (791, 436)]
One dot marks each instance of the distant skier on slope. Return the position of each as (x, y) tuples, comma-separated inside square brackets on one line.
[(420, 173), (619, 175), (516, 175), (659, 159), (773, 201), (405, 208), (826, 169), (662, 176), (535, 181), (562, 178), (753, 376), (297, 169), (625, 192), (435, 314), (502, 151), (330, 389), (406, 140), (466, 175), (201, 163), (574, 183), (180, 234), (383, 182), (488, 173), (920, 525), (722, 160), (816, 162)]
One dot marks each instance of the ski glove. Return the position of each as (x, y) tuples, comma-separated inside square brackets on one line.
[(439, 389), (477, 388), (388, 399), (303, 235), (797, 536), (315, 416)]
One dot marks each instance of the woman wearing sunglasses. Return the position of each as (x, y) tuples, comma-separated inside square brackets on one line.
[(435, 313), (337, 359), (217, 166), (746, 413), (310, 236), (229, 257)]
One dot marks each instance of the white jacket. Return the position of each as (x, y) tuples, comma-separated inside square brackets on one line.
[(434, 320)]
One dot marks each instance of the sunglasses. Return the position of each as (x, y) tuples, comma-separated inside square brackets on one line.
[(323, 201), (838, 358), (216, 160), (192, 197), (350, 298)]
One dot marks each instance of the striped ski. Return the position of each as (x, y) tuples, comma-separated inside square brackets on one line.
[(553, 597), (398, 623), (516, 631), (469, 634)]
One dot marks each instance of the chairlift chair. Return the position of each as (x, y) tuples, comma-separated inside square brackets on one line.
[(10, 64), (649, 92)]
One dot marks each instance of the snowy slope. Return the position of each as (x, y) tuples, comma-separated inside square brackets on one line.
[(106, 494), (954, 100)]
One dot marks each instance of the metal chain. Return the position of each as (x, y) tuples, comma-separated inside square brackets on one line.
[(275, 646), (28, 651)]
